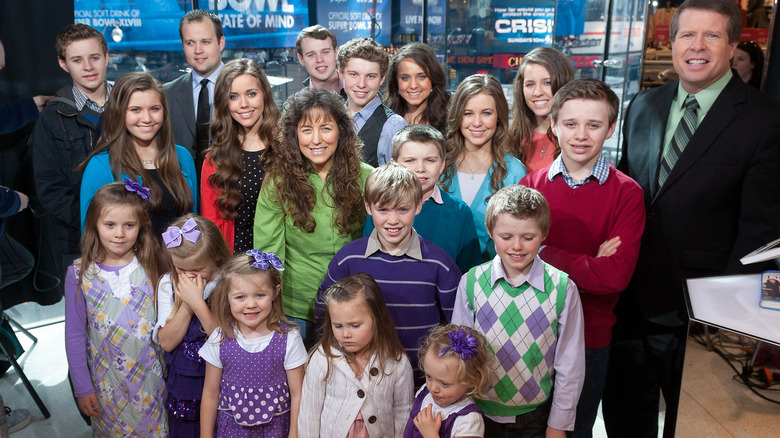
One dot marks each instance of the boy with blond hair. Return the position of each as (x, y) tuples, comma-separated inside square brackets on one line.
[(531, 315), (418, 279), (363, 67), (420, 148), (599, 249)]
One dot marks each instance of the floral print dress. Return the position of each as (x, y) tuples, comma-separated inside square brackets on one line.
[(126, 367)]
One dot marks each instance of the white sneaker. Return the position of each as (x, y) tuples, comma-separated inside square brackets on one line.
[(17, 419)]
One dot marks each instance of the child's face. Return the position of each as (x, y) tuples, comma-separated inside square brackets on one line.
[(441, 378), (537, 90), (245, 101), (318, 138), (424, 160), (144, 117), (394, 224), (352, 325), (414, 85), (118, 231), (517, 242), (362, 80), (479, 121), (86, 62), (251, 300), (582, 126), (192, 268)]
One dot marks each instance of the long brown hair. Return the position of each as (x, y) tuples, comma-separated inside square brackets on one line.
[(145, 248), (289, 169), (241, 266), (209, 248), (227, 134), (384, 339), (456, 144), (122, 156), (435, 113), (523, 118)]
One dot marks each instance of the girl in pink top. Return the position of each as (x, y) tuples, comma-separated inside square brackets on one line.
[(542, 72)]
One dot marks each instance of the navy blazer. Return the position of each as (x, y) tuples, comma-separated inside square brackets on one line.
[(720, 201)]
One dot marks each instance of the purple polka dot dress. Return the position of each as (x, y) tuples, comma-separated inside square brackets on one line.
[(254, 399)]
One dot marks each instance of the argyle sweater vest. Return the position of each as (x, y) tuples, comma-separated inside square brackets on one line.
[(521, 326)]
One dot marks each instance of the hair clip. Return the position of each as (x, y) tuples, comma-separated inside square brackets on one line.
[(172, 237), (463, 343), (264, 259), (132, 186)]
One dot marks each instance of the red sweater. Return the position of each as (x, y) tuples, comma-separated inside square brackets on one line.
[(208, 204), (581, 220)]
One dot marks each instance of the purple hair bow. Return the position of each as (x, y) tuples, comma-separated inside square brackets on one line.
[(132, 186), (265, 259), (172, 237), (462, 343)]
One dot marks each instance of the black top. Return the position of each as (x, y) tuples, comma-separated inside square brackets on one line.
[(249, 185)]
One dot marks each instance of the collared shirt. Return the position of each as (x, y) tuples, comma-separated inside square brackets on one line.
[(411, 249), (569, 360), (435, 195), (196, 78), (600, 172), (706, 98), (393, 124), (82, 100)]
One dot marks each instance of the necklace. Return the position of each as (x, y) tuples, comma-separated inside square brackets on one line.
[(148, 161), (543, 152), (471, 171)]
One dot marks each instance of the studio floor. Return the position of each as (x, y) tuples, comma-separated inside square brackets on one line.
[(712, 404)]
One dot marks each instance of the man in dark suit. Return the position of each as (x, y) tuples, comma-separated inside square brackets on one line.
[(203, 42), (709, 169)]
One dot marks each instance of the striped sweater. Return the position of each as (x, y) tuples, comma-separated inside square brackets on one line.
[(419, 293)]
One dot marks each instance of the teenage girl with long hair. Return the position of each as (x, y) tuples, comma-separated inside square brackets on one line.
[(542, 72), (478, 162), (242, 128), (137, 143), (417, 87)]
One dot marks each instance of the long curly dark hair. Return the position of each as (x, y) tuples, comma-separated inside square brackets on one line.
[(289, 169), (456, 144), (435, 112), (227, 135), (122, 155), (523, 118)]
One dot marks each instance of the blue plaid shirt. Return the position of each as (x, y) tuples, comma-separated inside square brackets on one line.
[(600, 172)]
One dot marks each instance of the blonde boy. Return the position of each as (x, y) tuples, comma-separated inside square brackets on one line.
[(444, 219), (530, 313), (418, 279)]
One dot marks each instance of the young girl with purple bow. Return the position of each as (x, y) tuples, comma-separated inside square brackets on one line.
[(115, 367), (456, 363), (195, 251), (254, 358)]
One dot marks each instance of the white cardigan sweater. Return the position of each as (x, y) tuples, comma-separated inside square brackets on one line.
[(328, 409)]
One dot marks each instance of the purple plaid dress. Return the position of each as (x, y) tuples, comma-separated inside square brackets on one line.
[(126, 367)]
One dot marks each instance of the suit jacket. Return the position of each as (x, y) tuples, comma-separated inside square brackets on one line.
[(182, 110), (720, 201)]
